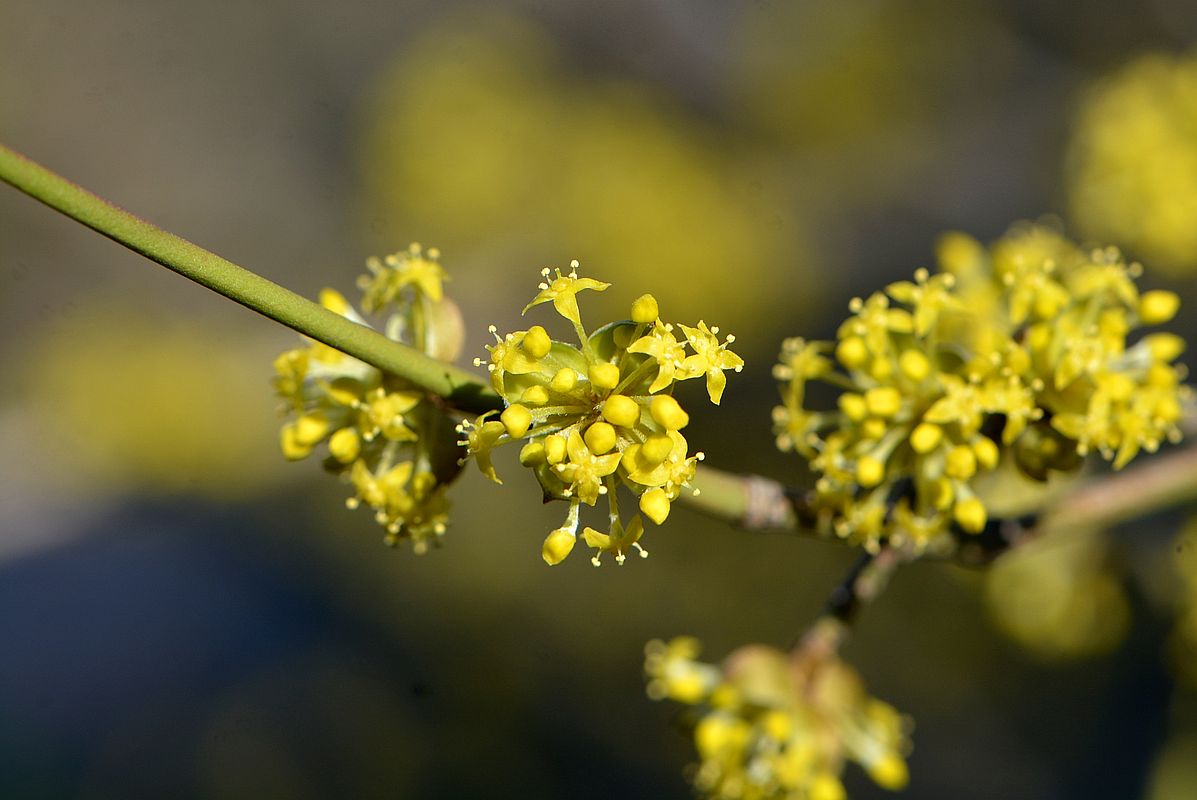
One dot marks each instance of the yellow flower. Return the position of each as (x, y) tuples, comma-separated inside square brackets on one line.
[(619, 541), (563, 292), (777, 725), (1021, 346), (389, 276), (598, 415), (710, 358), (386, 438)]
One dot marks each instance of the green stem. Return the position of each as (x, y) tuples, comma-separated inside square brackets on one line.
[(461, 389)]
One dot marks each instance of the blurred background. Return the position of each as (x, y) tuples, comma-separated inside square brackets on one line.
[(183, 614)]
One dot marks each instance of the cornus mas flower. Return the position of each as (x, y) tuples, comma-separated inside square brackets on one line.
[(599, 414), (1133, 160), (778, 726), (1024, 352), (389, 441)]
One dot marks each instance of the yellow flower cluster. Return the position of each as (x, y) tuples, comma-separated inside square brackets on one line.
[(396, 447), (777, 726), (1018, 351), (1133, 161), (599, 414)]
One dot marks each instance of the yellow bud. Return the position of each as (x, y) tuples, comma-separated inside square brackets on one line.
[(873, 428), (537, 342), (961, 463), (600, 438), (882, 369), (1018, 361), (619, 409), (554, 448), (883, 401), (311, 428), (655, 505), (1117, 386), (604, 375), (535, 396), (987, 452), (532, 454), (564, 380), (345, 445), (926, 437), (1161, 376), (853, 406), (777, 724), (1040, 336), (1156, 308), (970, 514), (516, 419), (718, 734), (557, 546), (1164, 346), (293, 448), (890, 772), (656, 449), (869, 471), (914, 365), (644, 309), (826, 786), (852, 352), (959, 253), (668, 413)]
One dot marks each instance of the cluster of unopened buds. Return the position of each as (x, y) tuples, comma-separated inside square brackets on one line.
[(1020, 353), (601, 413), (771, 725), (393, 444)]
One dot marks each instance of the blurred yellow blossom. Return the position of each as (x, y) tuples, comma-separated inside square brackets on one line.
[(133, 402), (599, 414), (778, 726), (479, 113), (394, 445), (1022, 352), (1059, 597), (1133, 161)]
